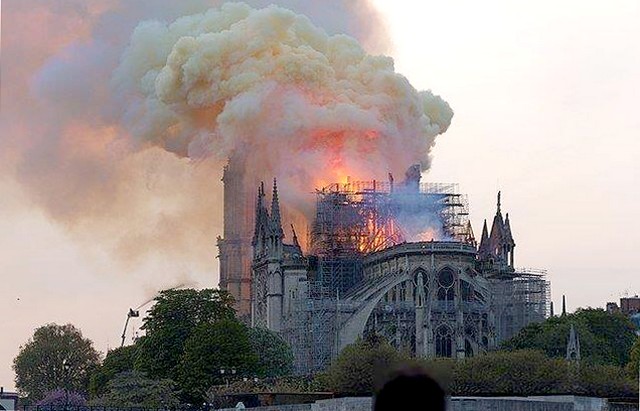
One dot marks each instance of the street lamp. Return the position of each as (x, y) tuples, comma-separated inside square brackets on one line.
[(66, 366)]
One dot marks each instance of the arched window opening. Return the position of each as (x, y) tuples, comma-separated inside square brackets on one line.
[(444, 342)]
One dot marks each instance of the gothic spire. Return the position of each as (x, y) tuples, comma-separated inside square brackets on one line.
[(484, 239), (262, 214), (470, 237), (275, 211), (573, 345), (498, 202), (507, 231)]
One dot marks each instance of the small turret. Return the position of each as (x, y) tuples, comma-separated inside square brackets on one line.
[(483, 249), (498, 245), (262, 215)]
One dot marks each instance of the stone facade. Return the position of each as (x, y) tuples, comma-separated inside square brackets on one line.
[(433, 298)]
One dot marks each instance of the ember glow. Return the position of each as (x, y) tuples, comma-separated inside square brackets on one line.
[(297, 103), (133, 129)]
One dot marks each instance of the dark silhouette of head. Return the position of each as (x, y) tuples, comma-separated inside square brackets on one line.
[(410, 389)]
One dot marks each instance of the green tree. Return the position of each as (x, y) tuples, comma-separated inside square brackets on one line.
[(212, 347), (171, 321), (362, 366), (56, 357), (634, 359), (604, 381), (605, 338), (117, 361), (274, 354), (135, 389)]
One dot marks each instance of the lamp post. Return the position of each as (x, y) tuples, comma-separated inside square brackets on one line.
[(66, 367)]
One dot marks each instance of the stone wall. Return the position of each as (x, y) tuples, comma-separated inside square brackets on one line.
[(547, 403)]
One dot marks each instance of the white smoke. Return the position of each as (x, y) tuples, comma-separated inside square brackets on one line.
[(101, 126), (304, 105)]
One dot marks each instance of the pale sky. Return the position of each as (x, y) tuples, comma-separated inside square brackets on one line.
[(545, 95)]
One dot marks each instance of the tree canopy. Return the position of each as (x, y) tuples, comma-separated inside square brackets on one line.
[(135, 389), (56, 357), (605, 338), (211, 348), (171, 321), (275, 358), (117, 361), (634, 360)]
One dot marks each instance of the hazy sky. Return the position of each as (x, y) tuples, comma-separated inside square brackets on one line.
[(545, 95)]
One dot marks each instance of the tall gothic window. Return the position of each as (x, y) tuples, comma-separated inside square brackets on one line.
[(444, 341)]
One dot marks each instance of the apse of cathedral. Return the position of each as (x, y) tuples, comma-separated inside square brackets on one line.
[(396, 261)]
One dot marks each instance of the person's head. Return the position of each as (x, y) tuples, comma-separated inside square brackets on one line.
[(410, 389)]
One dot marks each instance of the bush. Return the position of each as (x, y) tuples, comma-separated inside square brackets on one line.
[(62, 397), (511, 373), (362, 367), (135, 389), (604, 381)]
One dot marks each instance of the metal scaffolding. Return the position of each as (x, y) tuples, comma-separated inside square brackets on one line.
[(520, 301), (352, 220), (358, 218)]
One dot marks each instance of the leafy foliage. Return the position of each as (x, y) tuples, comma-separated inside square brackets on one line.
[(117, 361), (513, 373), (605, 338), (40, 364), (274, 354), (63, 398), (634, 359), (604, 381), (212, 347), (362, 366), (134, 389), (174, 317)]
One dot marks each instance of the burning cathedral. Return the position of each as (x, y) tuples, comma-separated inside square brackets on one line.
[(395, 259)]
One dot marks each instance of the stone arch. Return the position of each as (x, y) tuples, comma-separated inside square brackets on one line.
[(353, 327)]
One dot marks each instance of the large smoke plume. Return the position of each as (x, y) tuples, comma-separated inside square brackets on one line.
[(121, 137)]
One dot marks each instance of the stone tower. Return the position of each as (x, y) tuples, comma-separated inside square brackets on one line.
[(235, 246), (497, 247), (268, 253)]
